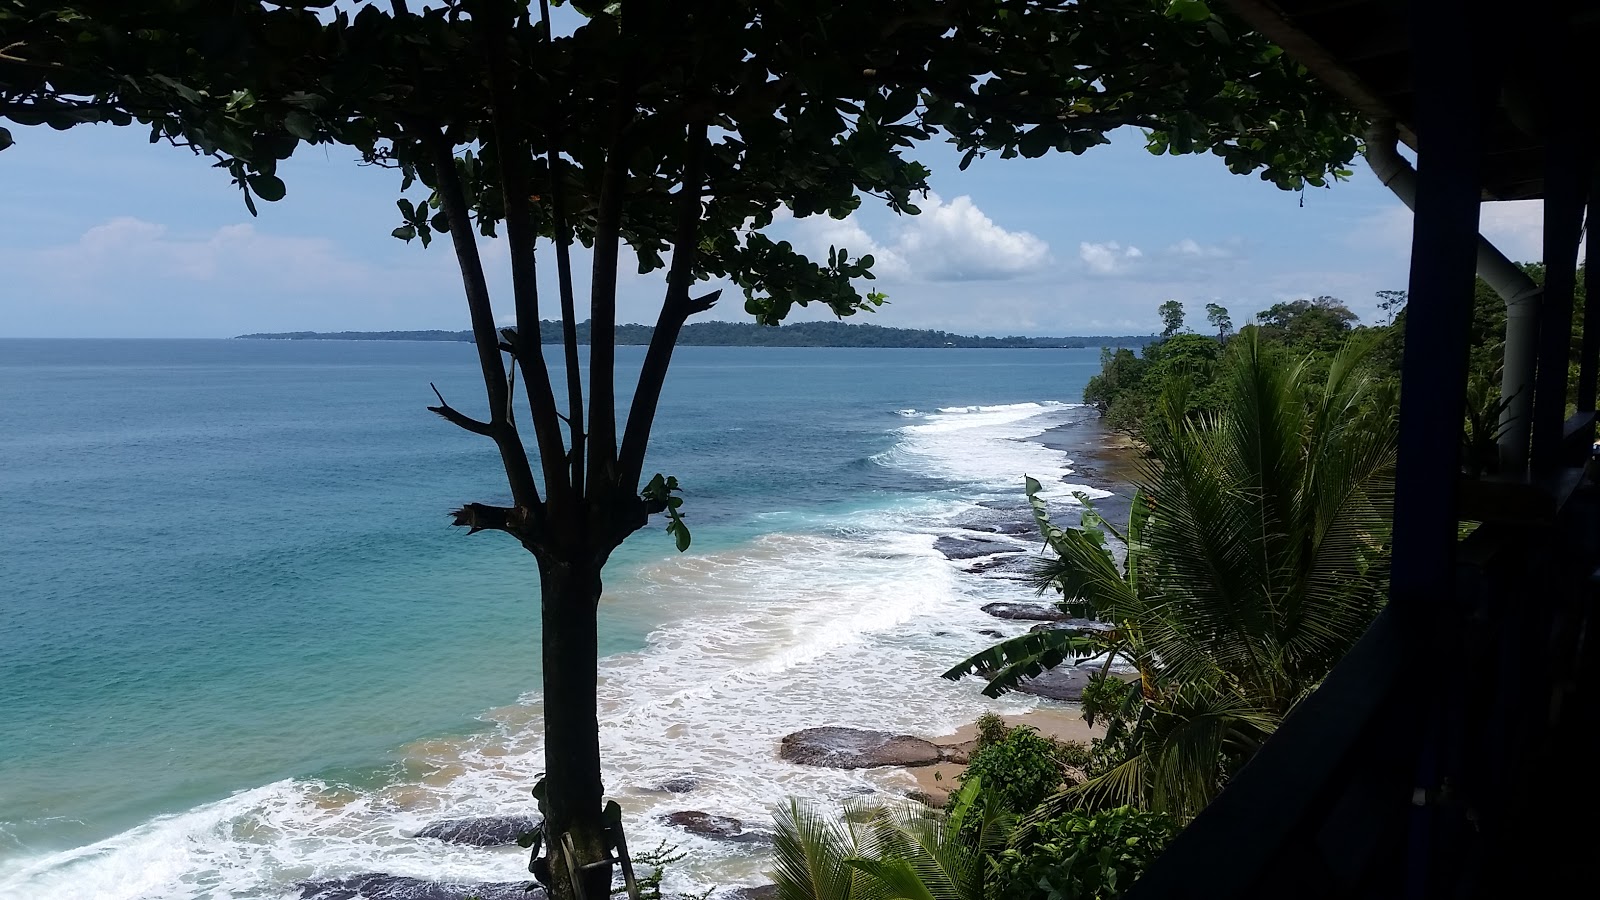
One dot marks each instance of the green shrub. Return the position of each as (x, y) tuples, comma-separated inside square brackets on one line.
[(1081, 856), (992, 729), (1020, 769), (1074, 753)]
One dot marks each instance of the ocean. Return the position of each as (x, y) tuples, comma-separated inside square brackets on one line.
[(241, 648)]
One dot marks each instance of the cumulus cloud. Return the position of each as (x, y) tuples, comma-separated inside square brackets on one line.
[(1109, 257), (954, 241)]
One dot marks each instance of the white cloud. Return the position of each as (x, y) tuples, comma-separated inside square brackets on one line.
[(1107, 258), (131, 247), (954, 241), (1193, 249)]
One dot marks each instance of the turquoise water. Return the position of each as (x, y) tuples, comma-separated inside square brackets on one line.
[(240, 645)]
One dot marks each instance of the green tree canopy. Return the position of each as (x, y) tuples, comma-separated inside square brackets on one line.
[(1171, 313)]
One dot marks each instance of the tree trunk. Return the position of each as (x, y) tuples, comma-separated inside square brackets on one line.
[(573, 793)]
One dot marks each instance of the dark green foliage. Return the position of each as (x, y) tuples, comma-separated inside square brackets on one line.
[(1020, 770), (1304, 327), (1129, 387), (1019, 766), (1081, 855), (1171, 318), (992, 729), (1218, 318)]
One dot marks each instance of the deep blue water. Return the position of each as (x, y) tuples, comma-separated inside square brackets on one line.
[(224, 564)]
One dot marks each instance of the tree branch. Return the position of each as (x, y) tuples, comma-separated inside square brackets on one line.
[(676, 308), (569, 315), (453, 201), (603, 291), (476, 517), (512, 154), (456, 417)]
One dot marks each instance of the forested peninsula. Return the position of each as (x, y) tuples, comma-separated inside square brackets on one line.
[(750, 334)]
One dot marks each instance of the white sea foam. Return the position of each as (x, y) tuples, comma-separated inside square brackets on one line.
[(847, 622)]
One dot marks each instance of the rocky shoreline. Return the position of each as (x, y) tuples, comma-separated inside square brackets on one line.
[(1001, 545)]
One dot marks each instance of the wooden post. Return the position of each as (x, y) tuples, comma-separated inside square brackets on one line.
[(1566, 183), (1589, 360), (1449, 71)]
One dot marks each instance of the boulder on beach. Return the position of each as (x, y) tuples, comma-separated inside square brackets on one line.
[(1075, 626), (1058, 684), (971, 548), (752, 892), (854, 748), (485, 831), (1033, 612), (717, 828), (373, 886)]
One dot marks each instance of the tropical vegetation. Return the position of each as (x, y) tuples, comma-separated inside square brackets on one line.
[(1254, 557)]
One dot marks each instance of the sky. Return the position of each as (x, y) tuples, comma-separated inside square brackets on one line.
[(106, 235)]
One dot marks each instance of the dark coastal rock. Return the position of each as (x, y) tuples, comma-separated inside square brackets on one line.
[(960, 754), (972, 548), (854, 748), (717, 828), (681, 785), (374, 886), (753, 892), (1058, 684), (990, 632), (1021, 528), (1033, 612), (487, 831), (1076, 626)]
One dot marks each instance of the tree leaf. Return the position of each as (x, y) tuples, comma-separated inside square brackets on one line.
[(268, 187)]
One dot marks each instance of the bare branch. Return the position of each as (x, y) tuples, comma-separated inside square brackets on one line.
[(476, 517), (519, 474), (569, 315), (512, 154), (455, 417), (675, 309)]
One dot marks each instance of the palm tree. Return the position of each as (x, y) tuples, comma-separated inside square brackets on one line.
[(901, 852), (1255, 557)]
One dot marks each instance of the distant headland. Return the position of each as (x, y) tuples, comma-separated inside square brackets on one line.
[(749, 334)]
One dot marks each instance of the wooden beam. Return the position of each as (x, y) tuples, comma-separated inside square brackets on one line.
[(1566, 188)]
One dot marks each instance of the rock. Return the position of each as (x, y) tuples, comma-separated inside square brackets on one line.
[(927, 798), (990, 632), (753, 892), (717, 828), (1036, 612), (971, 548), (681, 785), (486, 831), (960, 754), (374, 886), (1076, 626), (854, 748), (1058, 684)]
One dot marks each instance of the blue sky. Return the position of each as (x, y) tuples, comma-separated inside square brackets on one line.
[(109, 236)]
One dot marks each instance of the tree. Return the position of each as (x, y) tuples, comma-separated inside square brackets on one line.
[(681, 131), (1171, 313), (1255, 557), (1218, 317), (1318, 325)]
